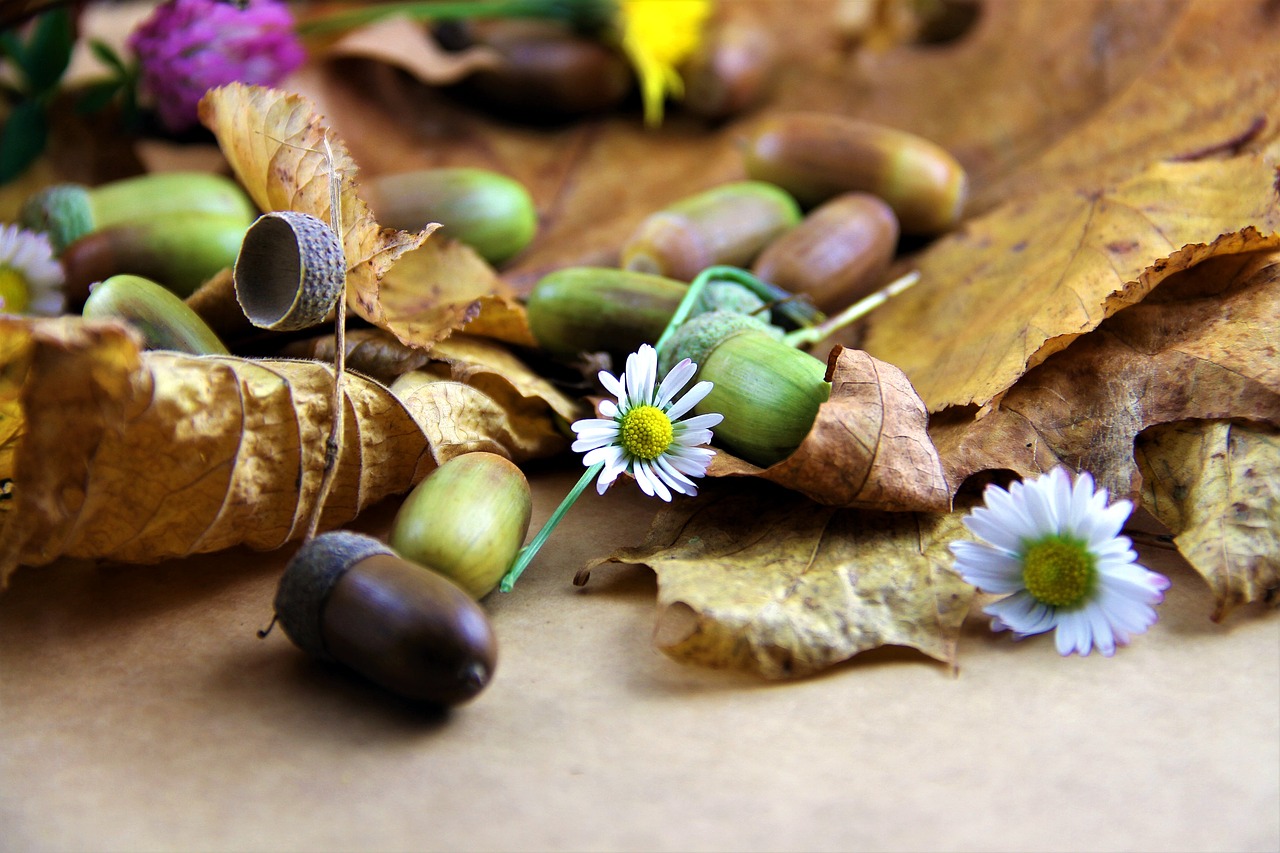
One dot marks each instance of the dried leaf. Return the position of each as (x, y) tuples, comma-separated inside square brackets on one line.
[(373, 352), (275, 142), (141, 456), (443, 286), (405, 44), (869, 446), (1200, 346), (761, 579), (494, 370), (1213, 483), (1012, 288)]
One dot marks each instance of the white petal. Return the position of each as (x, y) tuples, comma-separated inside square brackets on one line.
[(691, 398), (1108, 522), (609, 409), (594, 423), (641, 367), (1022, 614), (614, 385), (1009, 508), (702, 421), (986, 525), (989, 569), (674, 478), (649, 482), (674, 381), (692, 438), (1039, 502)]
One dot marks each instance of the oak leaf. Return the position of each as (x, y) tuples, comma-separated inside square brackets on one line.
[(869, 446), (1213, 483), (757, 578)]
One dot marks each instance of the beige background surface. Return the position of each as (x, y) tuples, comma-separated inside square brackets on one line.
[(140, 711)]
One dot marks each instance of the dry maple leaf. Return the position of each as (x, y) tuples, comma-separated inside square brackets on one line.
[(869, 446), (1213, 483), (758, 578)]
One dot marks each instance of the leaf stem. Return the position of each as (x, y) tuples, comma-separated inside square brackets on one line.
[(859, 309), (527, 553)]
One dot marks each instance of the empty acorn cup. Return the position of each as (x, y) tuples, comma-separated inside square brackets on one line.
[(290, 271)]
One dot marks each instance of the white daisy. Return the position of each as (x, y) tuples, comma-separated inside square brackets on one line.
[(1055, 549), (642, 433), (30, 278)]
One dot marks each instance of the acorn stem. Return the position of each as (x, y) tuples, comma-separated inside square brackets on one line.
[(528, 552), (859, 309)]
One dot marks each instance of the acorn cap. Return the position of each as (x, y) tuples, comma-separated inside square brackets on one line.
[(308, 579), (290, 272), (698, 336), (63, 211)]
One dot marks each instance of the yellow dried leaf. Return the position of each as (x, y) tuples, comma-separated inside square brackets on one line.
[(1213, 483), (762, 579), (494, 370), (1013, 287), (275, 143), (869, 446), (141, 456)]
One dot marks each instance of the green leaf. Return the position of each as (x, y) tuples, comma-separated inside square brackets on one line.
[(107, 56), (49, 51), (22, 139), (11, 47), (96, 96)]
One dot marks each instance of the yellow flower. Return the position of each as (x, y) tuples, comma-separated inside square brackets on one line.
[(657, 36)]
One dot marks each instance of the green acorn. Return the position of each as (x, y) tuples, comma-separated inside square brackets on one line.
[(488, 211), (163, 319), (466, 520), (728, 225), (768, 391), (67, 212), (180, 251), (602, 309)]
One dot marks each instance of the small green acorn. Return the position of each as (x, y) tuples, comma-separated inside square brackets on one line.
[(67, 212), (488, 211), (466, 520), (725, 225), (768, 391), (164, 320), (181, 251)]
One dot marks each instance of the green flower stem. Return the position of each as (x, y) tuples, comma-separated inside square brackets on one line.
[(859, 309), (691, 295), (527, 553), (583, 12)]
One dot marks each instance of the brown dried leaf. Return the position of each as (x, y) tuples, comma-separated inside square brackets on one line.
[(274, 142), (1010, 289), (869, 446), (141, 456), (373, 352), (405, 44), (757, 578), (1200, 346), (445, 285), (494, 370), (1213, 483)]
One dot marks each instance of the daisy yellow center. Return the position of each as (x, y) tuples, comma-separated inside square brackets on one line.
[(1058, 571), (646, 432), (15, 296)]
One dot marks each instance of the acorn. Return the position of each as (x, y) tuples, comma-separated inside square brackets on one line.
[(180, 251), (547, 73), (67, 212), (347, 597), (731, 71), (164, 320), (837, 254), (466, 520), (768, 391), (603, 309), (290, 271), (490, 212), (816, 156), (726, 225)]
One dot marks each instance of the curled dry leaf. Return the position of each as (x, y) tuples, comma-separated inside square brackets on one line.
[(1202, 345), (754, 577), (405, 44), (1213, 483), (373, 352), (869, 446), (1013, 287), (141, 456), (275, 143)]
